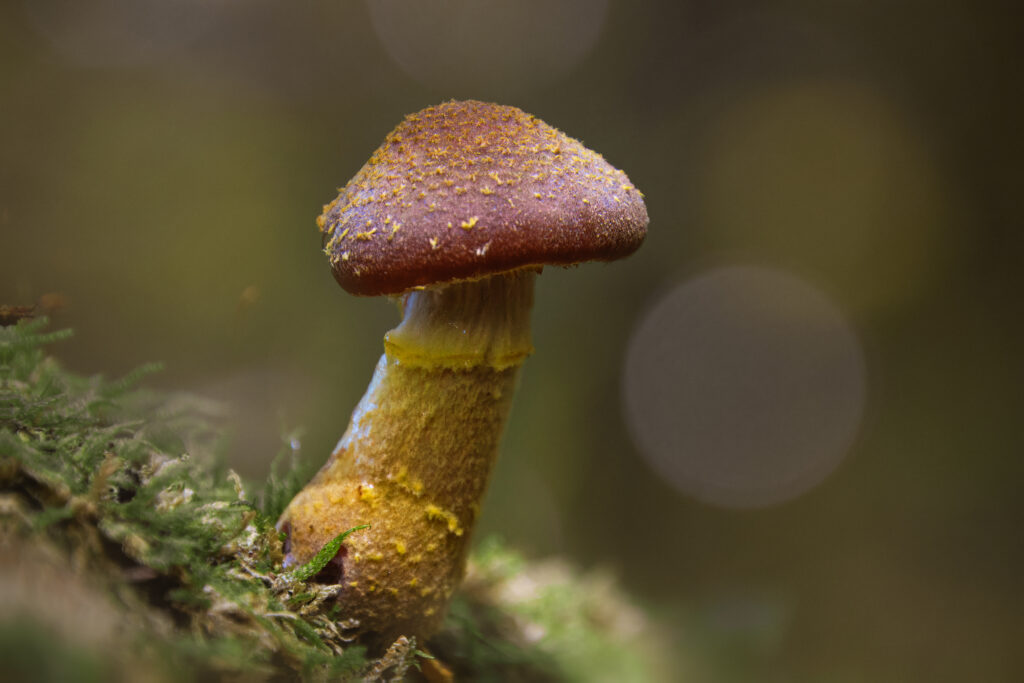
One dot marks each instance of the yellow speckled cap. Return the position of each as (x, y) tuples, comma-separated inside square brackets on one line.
[(463, 190)]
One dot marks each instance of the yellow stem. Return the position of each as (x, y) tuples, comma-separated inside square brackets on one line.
[(416, 457)]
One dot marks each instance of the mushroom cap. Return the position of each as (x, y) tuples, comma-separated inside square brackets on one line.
[(463, 190)]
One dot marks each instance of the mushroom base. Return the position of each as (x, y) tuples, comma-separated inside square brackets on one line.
[(415, 460)]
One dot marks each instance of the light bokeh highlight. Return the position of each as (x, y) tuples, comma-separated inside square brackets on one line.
[(744, 387), (476, 47), (827, 178)]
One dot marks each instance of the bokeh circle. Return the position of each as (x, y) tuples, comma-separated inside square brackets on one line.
[(487, 48), (744, 387)]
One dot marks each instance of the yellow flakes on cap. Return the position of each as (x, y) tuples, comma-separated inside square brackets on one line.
[(446, 165)]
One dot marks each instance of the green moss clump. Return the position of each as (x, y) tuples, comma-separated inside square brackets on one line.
[(114, 478), (130, 551), (545, 621)]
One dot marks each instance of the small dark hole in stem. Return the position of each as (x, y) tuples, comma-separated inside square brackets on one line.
[(334, 571), (286, 544)]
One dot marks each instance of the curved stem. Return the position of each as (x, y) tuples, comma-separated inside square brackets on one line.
[(416, 457)]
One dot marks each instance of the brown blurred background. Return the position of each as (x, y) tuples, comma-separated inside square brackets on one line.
[(791, 423)]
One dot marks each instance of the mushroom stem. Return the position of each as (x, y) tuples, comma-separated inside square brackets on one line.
[(415, 459)]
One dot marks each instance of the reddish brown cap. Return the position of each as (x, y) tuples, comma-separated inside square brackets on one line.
[(468, 189)]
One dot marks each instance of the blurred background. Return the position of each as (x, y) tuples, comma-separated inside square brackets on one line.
[(790, 424)]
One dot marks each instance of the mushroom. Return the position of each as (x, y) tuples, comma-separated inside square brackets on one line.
[(454, 214)]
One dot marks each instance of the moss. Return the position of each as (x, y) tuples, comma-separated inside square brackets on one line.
[(130, 551), (545, 621)]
